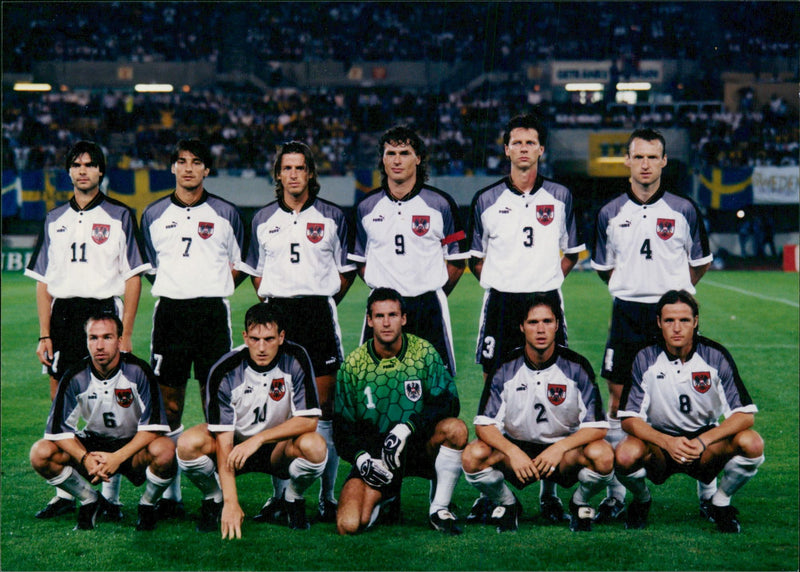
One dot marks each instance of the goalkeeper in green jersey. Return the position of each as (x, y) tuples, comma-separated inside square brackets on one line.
[(395, 415)]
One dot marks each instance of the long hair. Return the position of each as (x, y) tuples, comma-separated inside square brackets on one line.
[(300, 148)]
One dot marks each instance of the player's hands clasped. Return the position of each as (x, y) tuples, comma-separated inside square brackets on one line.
[(373, 471), (684, 450), (394, 444)]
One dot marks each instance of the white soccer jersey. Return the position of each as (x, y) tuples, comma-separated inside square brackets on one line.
[(521, 236), (678, 397), (88, 253), (542, 405), (649, 246), (247, 399), (405, 244), (115, 407), (299, 254), (193, 249)]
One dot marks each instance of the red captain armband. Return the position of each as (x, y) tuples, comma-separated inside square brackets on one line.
[(455, 237)]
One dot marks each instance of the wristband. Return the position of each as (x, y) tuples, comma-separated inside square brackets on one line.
[(84, 458), (44, 338), (702, 443)]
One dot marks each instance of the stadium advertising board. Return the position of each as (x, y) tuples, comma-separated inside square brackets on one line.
[(565, 72), (607, 154)]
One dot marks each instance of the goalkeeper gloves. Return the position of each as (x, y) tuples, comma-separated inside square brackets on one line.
[(394, 444), (373, 471)]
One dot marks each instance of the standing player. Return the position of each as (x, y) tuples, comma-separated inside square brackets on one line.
[(298, 258), (87, 256), (540, 417), (262, 414), (115, 397), (395, 415), (681, 387), (194, 240), (409, 238), (647, 241), (520, 226)]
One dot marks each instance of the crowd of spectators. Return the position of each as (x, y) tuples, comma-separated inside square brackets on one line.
[(462, 128), (500, 34)]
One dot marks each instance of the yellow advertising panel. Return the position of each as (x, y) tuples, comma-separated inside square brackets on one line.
[(607, 154)]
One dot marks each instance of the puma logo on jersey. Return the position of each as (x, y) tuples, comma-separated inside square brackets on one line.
[(523, 387), (173, 224), (248, 389), (505, 210), (661, 375), (274, 230), (62, 229), (625, 224), (93, 396), (378, 219)]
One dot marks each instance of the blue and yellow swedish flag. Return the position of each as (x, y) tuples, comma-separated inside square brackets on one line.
[(366, 180), (726, 189), (44, 190), (11, 195), (140, 187)]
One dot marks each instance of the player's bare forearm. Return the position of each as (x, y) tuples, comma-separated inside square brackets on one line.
[(605, 275), (73, 448), (734, 424), (133, 292), (476, 266), (44, 302), (227, 477), (455, 269), (114, 460), (642, 430), (568, 262), (345, 281), (238, 277), (362, 269), (580, 438), (697, 272)]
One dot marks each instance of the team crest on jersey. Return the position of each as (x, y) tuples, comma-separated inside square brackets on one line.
[(545, 214), (100, 233), (665, 227), (278, 389), (315, 231), (205, 229), (420, 224), (701, 381), (124, 397), (556, 393), (413, 389)]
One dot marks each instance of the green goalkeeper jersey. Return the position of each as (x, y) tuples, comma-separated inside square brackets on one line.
[(374, 394)]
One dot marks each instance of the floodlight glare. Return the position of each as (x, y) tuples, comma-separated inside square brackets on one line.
[(153, 88), (28, 86), (584, 87)]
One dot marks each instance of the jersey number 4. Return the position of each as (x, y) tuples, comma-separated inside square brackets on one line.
[(645, 250)]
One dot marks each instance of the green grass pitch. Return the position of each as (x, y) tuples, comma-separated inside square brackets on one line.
[(755, 314)]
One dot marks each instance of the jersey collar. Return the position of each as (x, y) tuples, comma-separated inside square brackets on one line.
[(414, 192), (673, 357), (400, 355), (97, 200), (176, 201), (109, 375), (262, 368), (537, 184), (306, 205), (546, 364), (654, 199)]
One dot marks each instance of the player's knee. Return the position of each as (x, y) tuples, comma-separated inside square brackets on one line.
[(455, 433), (312, 447), (627, 454), (162, 451), (41, 454), (347, 522), (750, 443), (190, 445), (475, 455), (600, 455)]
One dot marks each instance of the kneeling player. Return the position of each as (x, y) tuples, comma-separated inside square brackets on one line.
[(540, 417), (262, 411), (117, 396), (681, 387), (395, 415)]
